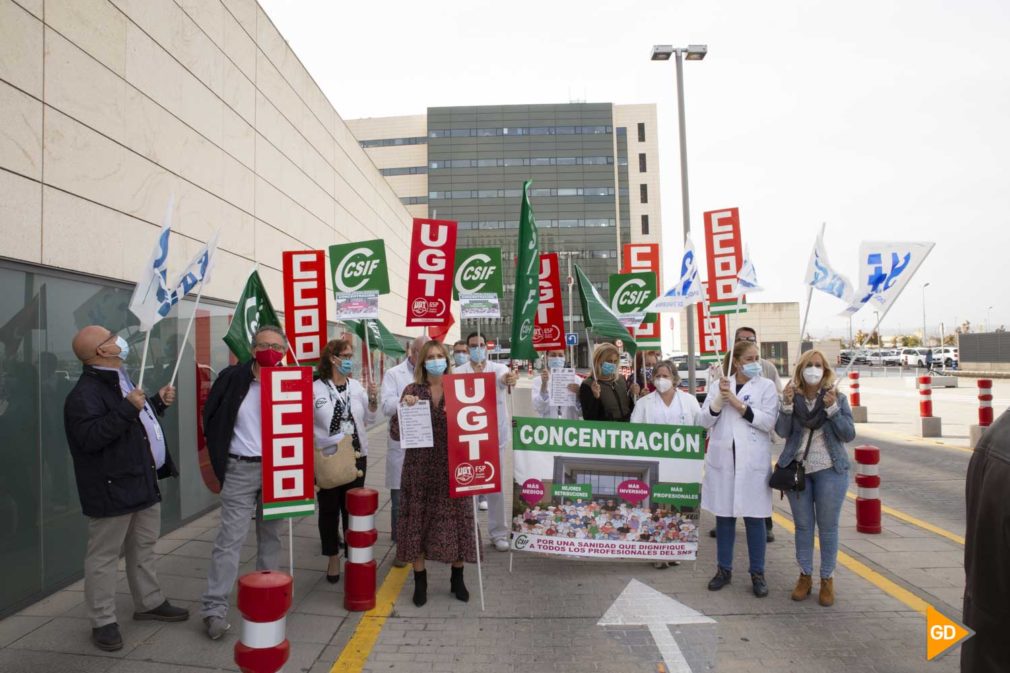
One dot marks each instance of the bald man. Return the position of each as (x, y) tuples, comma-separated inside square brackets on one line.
[(119, 456), (395, 380)]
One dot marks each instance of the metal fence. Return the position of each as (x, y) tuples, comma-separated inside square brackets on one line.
[(987, 347)]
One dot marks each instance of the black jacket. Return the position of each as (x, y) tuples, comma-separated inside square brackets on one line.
[(615, 403), (221, 410), (987, 553), (112, 456)]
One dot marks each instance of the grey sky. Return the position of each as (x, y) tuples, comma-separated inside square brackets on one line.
[(887, 120)]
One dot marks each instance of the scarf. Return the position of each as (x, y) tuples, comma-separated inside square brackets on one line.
[(813, 418)]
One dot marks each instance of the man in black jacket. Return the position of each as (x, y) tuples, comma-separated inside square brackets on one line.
[(233, 428), (987, 553), (119, 455)]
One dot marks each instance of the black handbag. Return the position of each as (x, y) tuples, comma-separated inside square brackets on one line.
[(792, 477)]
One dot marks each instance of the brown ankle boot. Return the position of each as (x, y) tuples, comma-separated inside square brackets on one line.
[(803, 585), (827, 594)]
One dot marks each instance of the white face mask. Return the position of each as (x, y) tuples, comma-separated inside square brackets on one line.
[(813, 375), (662, 384)]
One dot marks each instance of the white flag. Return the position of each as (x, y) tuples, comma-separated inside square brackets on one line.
[(687, 291), (198, 270), (746, 279), (822, 277), (152, 299), (884, 270)]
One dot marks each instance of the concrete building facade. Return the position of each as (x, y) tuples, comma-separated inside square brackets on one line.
[(107, 110)]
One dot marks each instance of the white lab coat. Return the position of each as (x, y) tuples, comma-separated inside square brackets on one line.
[(394, 382), (739, 486), (322, 405), (501, 392), (543, 407), (683, 410)]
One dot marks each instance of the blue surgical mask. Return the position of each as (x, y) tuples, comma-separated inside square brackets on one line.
[(459, 359), (608, 368), (436, 366), (555, 363), (751, 370), (478, 353), (346, 367), (124, 348)]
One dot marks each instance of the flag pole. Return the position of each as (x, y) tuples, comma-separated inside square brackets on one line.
[(291, 548), (476, 542), (368, 353), (806, 313), (185, 339), (143, 359)]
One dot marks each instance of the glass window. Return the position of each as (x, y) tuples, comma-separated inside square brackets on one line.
[(540, 161), (776, 352), (487, 132), (487, 193), (641, 132), (513, 162), (485, 163), (566, 161), (641, 162), (540, 131), (460, 133), (568, 191), (568, 223), (564, 130), (643, 193), (645, 225)]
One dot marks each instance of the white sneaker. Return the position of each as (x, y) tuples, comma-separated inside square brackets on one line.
[(216, 627), (482, 505), (501, 544)]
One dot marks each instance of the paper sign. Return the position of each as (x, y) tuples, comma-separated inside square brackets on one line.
[(415, 425)]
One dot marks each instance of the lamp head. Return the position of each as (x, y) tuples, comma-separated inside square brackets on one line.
[(696, 52), (662, 52)]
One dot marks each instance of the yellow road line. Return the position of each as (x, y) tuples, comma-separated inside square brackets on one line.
[(354, 655), (872, 576), (908, 518)]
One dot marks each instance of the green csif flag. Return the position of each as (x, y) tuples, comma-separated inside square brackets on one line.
[(527, 290), (599, 317), (253, 311), (379, 337)]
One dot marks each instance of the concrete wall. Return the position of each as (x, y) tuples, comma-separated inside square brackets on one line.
[(107, 108)]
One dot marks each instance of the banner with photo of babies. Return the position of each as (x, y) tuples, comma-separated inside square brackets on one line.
[(607, 490)]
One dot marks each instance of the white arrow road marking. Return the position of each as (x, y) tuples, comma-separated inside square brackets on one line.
[(641, 605)]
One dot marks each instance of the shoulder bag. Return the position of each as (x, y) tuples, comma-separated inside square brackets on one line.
[(792, 477)]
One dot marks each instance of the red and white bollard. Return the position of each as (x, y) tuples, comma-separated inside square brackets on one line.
[(984, 412), (929, 425), (264, 598), (359, 571), (859, 413), (868, 494)]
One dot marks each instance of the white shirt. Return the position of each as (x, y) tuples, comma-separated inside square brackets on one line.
[(248, 438), (682, 410), (501, 392), (322, 409)]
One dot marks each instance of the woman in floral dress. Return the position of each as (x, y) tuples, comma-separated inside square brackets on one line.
[(432, 526)]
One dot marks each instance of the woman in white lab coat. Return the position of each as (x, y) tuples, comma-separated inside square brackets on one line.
[(666, 404), (740, 413)]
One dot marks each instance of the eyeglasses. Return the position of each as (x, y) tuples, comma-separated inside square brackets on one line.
[(748, 338), (280, 348)]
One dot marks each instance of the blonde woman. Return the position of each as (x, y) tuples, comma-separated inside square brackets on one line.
[(739, 412), (816, 425), (606, 395), (432, 526)]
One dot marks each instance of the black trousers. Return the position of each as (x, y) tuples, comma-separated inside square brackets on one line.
[(333, 513)]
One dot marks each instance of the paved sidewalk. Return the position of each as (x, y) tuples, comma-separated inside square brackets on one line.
[(540, 617)]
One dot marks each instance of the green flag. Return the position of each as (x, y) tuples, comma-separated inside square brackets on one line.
[(599, 317), (527, 290), (253, 311), (379, 337)]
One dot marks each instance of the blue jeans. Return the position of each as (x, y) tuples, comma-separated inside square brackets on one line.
[(725, 536), (820, 502)]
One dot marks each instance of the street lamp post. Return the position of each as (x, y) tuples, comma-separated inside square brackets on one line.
[(925, 339), (988, 327), (693, 52)]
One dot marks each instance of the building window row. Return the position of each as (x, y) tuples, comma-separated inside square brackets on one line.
[(413, 200), (520, 131), (510, 193), (542, 224), (390, 142), (525, 161), (406, 170)]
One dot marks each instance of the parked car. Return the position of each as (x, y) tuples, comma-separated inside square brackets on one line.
[(884, 358), (859, 357), (913, 357), (946, 356)]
